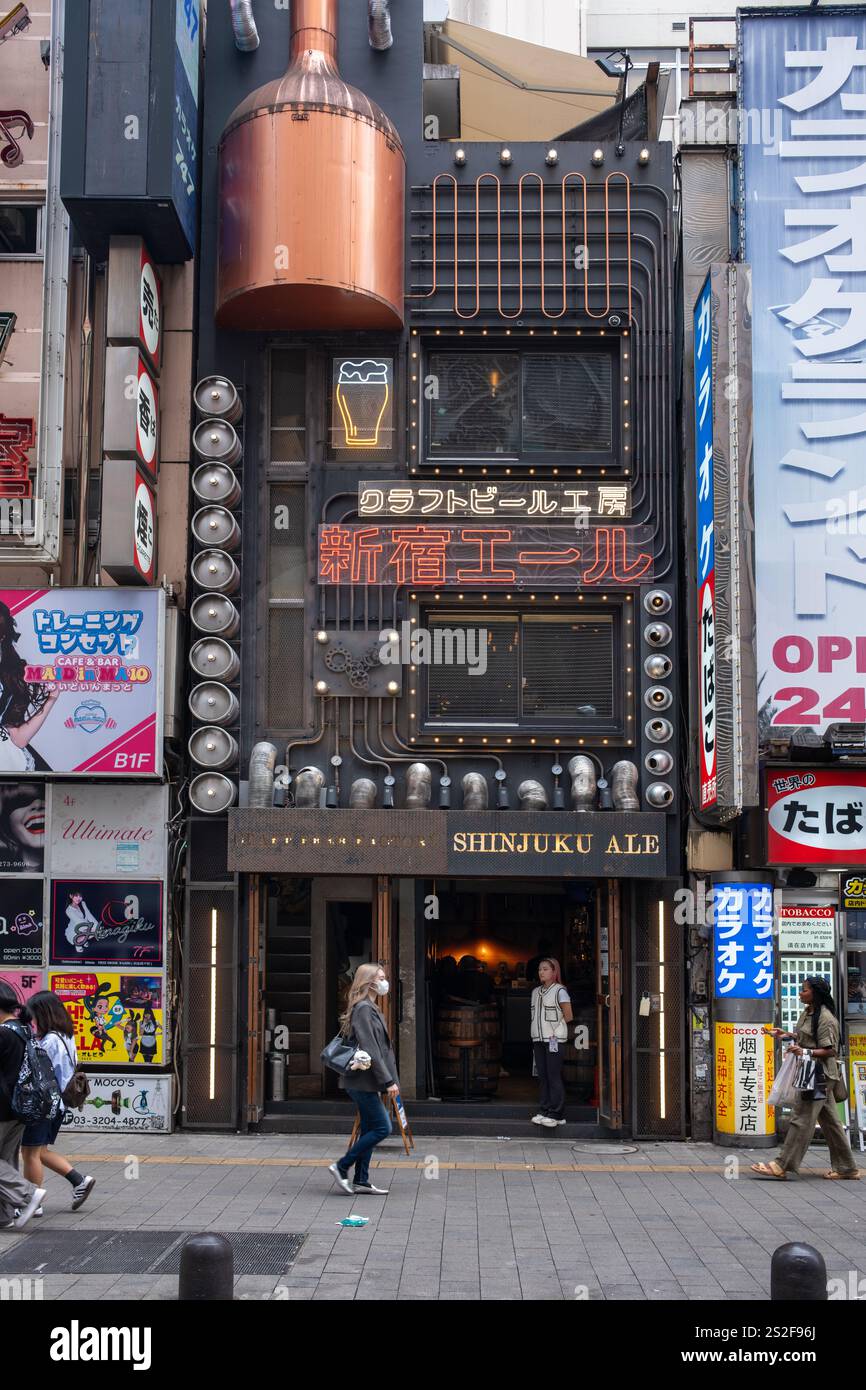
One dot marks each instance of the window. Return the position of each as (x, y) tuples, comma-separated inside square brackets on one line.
[(20, 229), (362, 407), (288, 406), (508, 405), (287, 573), (534, 671)]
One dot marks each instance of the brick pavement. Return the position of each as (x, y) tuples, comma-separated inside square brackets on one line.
[(501, 1221)]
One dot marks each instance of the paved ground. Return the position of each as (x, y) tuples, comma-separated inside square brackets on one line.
[(502, 1220)]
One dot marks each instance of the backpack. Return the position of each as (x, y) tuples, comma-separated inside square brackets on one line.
[(77, 1088), (35, 1095)]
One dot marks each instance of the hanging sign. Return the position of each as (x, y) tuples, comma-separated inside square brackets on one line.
[(816, 817), (134, 313), (130, 427)]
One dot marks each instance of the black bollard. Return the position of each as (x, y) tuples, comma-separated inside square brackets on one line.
[(207, 1269), (798, 1274)]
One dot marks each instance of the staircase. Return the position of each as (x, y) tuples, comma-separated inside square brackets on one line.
[(289, 982)]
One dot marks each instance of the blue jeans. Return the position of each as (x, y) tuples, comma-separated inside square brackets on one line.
[(375, 1126)]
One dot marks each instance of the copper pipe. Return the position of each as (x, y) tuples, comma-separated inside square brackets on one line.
[(314, 29)]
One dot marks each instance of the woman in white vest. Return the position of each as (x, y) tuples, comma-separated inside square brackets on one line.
[(551, 1015)]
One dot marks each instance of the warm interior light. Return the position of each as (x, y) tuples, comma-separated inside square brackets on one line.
[(213, 993), (662, 1060)]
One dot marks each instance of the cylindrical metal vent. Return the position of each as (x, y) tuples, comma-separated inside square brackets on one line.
[(214, 569), (263, 762), (216, 396), (581, 770), (212, 793), (216, 526), (213, 657), (217, 442), (532, 796), (213, 747), (216, 615), (308, 785), (215, 482), (363, 793), (213, 703), (623, 786), (475, 792), (419, 782), (276, 1076)]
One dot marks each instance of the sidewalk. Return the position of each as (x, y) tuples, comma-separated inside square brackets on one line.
[(464, 1219)]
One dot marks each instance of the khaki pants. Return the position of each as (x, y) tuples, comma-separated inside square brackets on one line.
[(15, 1191), (808, 1113)]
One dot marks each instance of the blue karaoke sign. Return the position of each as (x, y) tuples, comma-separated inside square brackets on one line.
[(743, 941)]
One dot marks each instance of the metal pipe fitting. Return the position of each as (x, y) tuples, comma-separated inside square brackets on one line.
[(308, 785), (532, 796), (379, 22), (623, 784), (475, 792), (263, 761), (581, 770), (244, 26), (363, 793), (419, 786)]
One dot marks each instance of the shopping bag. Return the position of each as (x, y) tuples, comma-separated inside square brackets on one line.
[(782, 1092)]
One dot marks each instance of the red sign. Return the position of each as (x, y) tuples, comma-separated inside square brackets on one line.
[(16, 437), (488, 557), (150, 309), (816, 817), (147, 420), (144, 529)]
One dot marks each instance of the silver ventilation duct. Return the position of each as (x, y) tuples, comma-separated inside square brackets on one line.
[(263, 761), (244, 26), (475, 792), (363, 793), (623, 784), (581, 770), (379, 21), (532, 796), (308, 785), (419, 782)]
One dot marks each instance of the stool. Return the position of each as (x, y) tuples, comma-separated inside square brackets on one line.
[(465, 1045)]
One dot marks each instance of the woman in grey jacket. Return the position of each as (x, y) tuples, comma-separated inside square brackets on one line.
[(363, 1024)]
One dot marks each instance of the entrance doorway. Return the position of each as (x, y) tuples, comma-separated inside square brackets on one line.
[(483, 953)]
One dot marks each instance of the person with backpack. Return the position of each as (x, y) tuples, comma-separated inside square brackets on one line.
[(363, 1027), (56, 1033), (19, 1198)]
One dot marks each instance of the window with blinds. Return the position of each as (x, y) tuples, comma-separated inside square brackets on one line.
[(509, 405), (543, 670)]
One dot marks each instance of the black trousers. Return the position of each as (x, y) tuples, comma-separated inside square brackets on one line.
[(549, 1067)]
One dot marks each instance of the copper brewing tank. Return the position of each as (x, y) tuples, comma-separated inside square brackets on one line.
[(312, 178)]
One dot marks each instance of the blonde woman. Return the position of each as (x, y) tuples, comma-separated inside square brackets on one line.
[(363, 1024)]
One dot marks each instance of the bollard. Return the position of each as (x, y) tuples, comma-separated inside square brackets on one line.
[(798, 1274), (207, 1269)]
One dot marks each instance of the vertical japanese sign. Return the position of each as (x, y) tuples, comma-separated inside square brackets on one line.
[(745, 1067), (803, 166), (743, 941), (706, 571), (185, 161)]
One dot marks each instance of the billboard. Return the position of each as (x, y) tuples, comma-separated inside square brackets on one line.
[(22, 827), (22, 928), (124, 1101), (117, 1018), (743, 941), (706, 545), (803, 176), (81, 671), (109, 831), (112, 923), (25, 983), (816, 817)]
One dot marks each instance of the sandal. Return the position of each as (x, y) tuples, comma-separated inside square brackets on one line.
[(833, 1176), (771, 1171)]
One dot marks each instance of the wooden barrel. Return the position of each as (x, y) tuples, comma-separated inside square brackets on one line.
[(578, 1068), (462, 1021)]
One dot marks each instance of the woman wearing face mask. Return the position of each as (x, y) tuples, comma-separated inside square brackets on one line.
[(363, 1024)]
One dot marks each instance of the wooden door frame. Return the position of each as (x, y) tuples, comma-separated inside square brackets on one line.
[(256, 984), (610, 1065)]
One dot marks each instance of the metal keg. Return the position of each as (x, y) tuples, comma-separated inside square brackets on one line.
[(213, 657), (276, 1076), (214, 569), (212, 793), (215, 482), (217, 442), (215, 614), (213, 747), (216, 395), (216, 526), (213, 703)]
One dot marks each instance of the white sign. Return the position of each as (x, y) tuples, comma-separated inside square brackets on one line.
[(144, 530), (809, 929), (149, 308), (124, 1101), (109, 830), (146, 418)]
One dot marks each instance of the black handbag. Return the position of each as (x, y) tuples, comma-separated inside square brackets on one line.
[(338, 1054)]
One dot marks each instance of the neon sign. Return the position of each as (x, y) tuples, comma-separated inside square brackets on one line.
[(362, 391), (433, 557), (16, 437), (511, 501)]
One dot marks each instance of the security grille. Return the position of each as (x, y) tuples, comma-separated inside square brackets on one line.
[(208, 849), (658, 1105), (143, 1252), (288, 406), (510, 404), (285, 668), (542, 669)]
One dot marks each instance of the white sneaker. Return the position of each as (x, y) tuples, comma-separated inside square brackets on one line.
[(368, 1187), (537, 1119), (549, 1122), (81, 1193), (40, 1211), (25, 1213), (341, 1179)]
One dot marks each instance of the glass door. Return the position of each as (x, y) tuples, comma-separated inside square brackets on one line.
[(609, 1002)]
